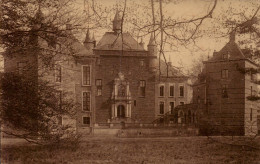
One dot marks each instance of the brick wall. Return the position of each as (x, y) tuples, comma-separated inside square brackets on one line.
[(111, 63)]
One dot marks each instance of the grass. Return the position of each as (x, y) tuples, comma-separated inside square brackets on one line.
[(130, 150)]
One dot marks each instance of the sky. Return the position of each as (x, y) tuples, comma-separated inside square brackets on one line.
[(178, 10), (185, 9)]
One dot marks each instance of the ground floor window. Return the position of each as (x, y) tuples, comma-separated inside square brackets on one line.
[(161, 106), (86, 101), (86, 120), (171, 107)]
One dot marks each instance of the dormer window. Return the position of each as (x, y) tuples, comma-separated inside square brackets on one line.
[(225, 56)]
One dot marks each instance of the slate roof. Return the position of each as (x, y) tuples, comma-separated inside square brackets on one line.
[(232, 49), (172, 72), (75, 46), (113, 41)]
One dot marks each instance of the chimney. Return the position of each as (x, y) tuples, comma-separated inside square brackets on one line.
[(214, 53), (232, 36)]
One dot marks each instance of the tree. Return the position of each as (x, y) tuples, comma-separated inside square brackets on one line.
[(32, 106)]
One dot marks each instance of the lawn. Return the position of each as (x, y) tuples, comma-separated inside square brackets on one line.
[(132, 150)]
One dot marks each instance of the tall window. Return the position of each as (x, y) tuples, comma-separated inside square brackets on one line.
[(86, 120), (224, 91), (21, 67), (99, 87), (57, 73), (171, 107), (60, 99), (86, 101), (171, 91), (142, 62), (161, 107), (251, 114), (224, 74), (85, 75), (181, 91), (251, 90), (142, 88), (161, 91)]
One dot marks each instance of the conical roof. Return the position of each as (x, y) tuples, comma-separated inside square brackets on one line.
[(87, 39), (152, 41)]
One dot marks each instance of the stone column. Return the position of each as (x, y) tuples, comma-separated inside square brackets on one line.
[(127, 110), (113, 110)]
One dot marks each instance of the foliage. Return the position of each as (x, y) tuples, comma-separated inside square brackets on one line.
[(31, 108)]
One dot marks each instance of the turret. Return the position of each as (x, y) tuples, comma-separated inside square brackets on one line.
[(89, 43), (152, 48), (152, 52), (141, 43), (94, 40), (117, 23), (39, 17)]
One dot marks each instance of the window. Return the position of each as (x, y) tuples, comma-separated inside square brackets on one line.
[(142, 88), (181, 91), (252, 76), (225, 55), (57, 73), (224, 74), (85, 75), (171, 91), (134, 102), (99, 87), (181, 103), (161, 91), (21, 67), (86, 120), (86, 101), (60, 99), (198, 99), (171, 107), (141, 62), (251, 114), (121, 90), (224, 91), (98, 61), (161, 107), (251, 90)]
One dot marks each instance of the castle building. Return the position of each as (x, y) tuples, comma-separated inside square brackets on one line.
[(223, 90), (115, 82)]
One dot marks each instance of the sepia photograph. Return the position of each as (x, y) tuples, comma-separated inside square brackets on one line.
[(130, 81)]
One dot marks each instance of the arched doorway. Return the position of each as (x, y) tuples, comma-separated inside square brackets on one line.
[(121, 111)]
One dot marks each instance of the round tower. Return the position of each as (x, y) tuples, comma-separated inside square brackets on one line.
[(152, 51)]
